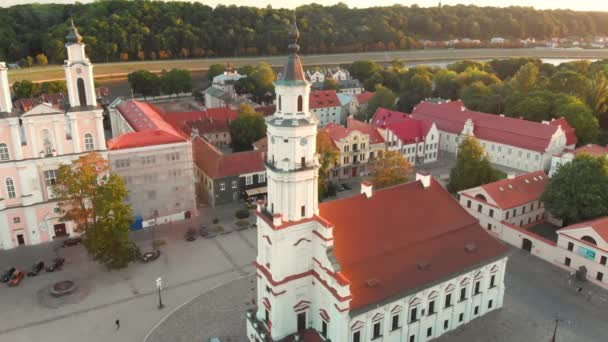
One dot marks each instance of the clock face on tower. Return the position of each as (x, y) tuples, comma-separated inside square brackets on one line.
[(79, 70)]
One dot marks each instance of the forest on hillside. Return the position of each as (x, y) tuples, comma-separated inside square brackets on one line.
[(136, 30)]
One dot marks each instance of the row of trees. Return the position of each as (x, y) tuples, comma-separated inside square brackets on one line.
[(27, 89), (175, 81), (520, 87), (129, 30)]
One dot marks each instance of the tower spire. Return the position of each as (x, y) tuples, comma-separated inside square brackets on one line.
[(293, 69), (294, 34), (73, 36)]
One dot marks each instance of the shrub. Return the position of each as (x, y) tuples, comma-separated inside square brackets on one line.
[(215, 220), (242, 214)]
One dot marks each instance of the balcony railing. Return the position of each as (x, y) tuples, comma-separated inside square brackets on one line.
[(296, 166)]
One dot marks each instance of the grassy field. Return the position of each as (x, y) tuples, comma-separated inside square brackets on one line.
[(121, 69)]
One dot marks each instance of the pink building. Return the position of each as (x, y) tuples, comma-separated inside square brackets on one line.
[(34, 143)]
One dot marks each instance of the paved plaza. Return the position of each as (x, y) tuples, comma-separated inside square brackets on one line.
[(187, 268), (536, 293)]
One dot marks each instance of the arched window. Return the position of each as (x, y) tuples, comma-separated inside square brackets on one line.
[(47, 145), (82, 96), (480, 196), (279, 103), (10, 188), (88, 142), (4, 152), (300, 105), (589, 239)]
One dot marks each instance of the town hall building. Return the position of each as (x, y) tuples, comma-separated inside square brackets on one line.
[(366, 267)]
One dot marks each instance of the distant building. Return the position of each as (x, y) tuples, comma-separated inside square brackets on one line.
[(417, 140), (568, 155), (228, 177), (515, 143), (360, 101), (497, 41), (155, 161), (221, 93), (212, 124), (326, 106)]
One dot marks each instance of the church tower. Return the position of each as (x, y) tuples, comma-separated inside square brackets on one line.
[(6, 105), (292, 167), (78, 72)]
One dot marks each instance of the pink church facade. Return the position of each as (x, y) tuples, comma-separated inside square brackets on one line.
[(35, 143)]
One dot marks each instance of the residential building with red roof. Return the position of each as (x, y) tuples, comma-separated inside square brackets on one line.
[(228, 177), (212, 124), (326, 106), (569, 154), (360, 101), (514, 143), (406, 261), (155, 160), (357, 145), (417, 140)]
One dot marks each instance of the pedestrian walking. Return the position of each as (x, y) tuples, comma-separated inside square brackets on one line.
[(117, 324)]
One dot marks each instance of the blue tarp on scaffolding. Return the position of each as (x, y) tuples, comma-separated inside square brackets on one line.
[(137, 223)]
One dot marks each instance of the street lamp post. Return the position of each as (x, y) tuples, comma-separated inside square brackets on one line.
[(557, 321), (159, 285)]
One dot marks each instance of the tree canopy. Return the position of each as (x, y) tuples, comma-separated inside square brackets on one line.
[(248, 128), (390, 168), (383, 97), (93, 199), (579, 190), (328, 158), (472, 167)]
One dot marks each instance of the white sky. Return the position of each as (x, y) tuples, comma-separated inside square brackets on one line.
[(579, 5)]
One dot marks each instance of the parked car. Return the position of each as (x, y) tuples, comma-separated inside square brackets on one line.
[(190, 234), (16, 278), (340, 187), (36, 268), (6, 276), (72, 241), (346, 186), (150, 256), (56, 265)]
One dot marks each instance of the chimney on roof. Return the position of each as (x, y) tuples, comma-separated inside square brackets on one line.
[(277, 219), (424, 177), (367, 188)]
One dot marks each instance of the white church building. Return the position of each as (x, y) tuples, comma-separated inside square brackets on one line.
[(33, 144), (366, 267)]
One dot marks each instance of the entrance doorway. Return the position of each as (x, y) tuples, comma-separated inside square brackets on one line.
[(354, 172), (302, 321), (20, 239), (60, 230), (526, 245)]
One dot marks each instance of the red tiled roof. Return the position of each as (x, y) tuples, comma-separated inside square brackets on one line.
[(600, 226), (216, 164), (451, 117), (571, 138), (149, 125), (410, 130), (509, 193), (364, 97), (591, 149), (323, 99), (384, 117), (261, 144), (308, 335), (387, 237), (374, 136), (266, 110)]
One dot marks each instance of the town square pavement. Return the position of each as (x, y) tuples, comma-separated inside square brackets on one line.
[(28, 313)]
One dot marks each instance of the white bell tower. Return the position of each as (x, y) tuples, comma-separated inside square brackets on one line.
[(6, 105), (78, 72), (292, 162)]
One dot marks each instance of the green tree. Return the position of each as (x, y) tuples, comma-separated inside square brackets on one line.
[(474, 96), (581, 118), (446, 85), (383, 97), (596, 93), (462, 65), (248, 128), (525, 79), (41, 59), (536, 106), (568, 82), (331, 84), (94, 200), (263, 77), (362, 70), (176, 81), (390, 168), (579, 190), (144, 82), (417, 88), (26, 89), (215, 70), (472, 167), (51, 87)]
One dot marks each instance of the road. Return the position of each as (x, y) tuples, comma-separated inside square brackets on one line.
[(120, 70)]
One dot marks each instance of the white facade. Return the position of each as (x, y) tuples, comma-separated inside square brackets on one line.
[(34, 144), (569, 155), (584, 247), (421, 152), (507, 155)]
